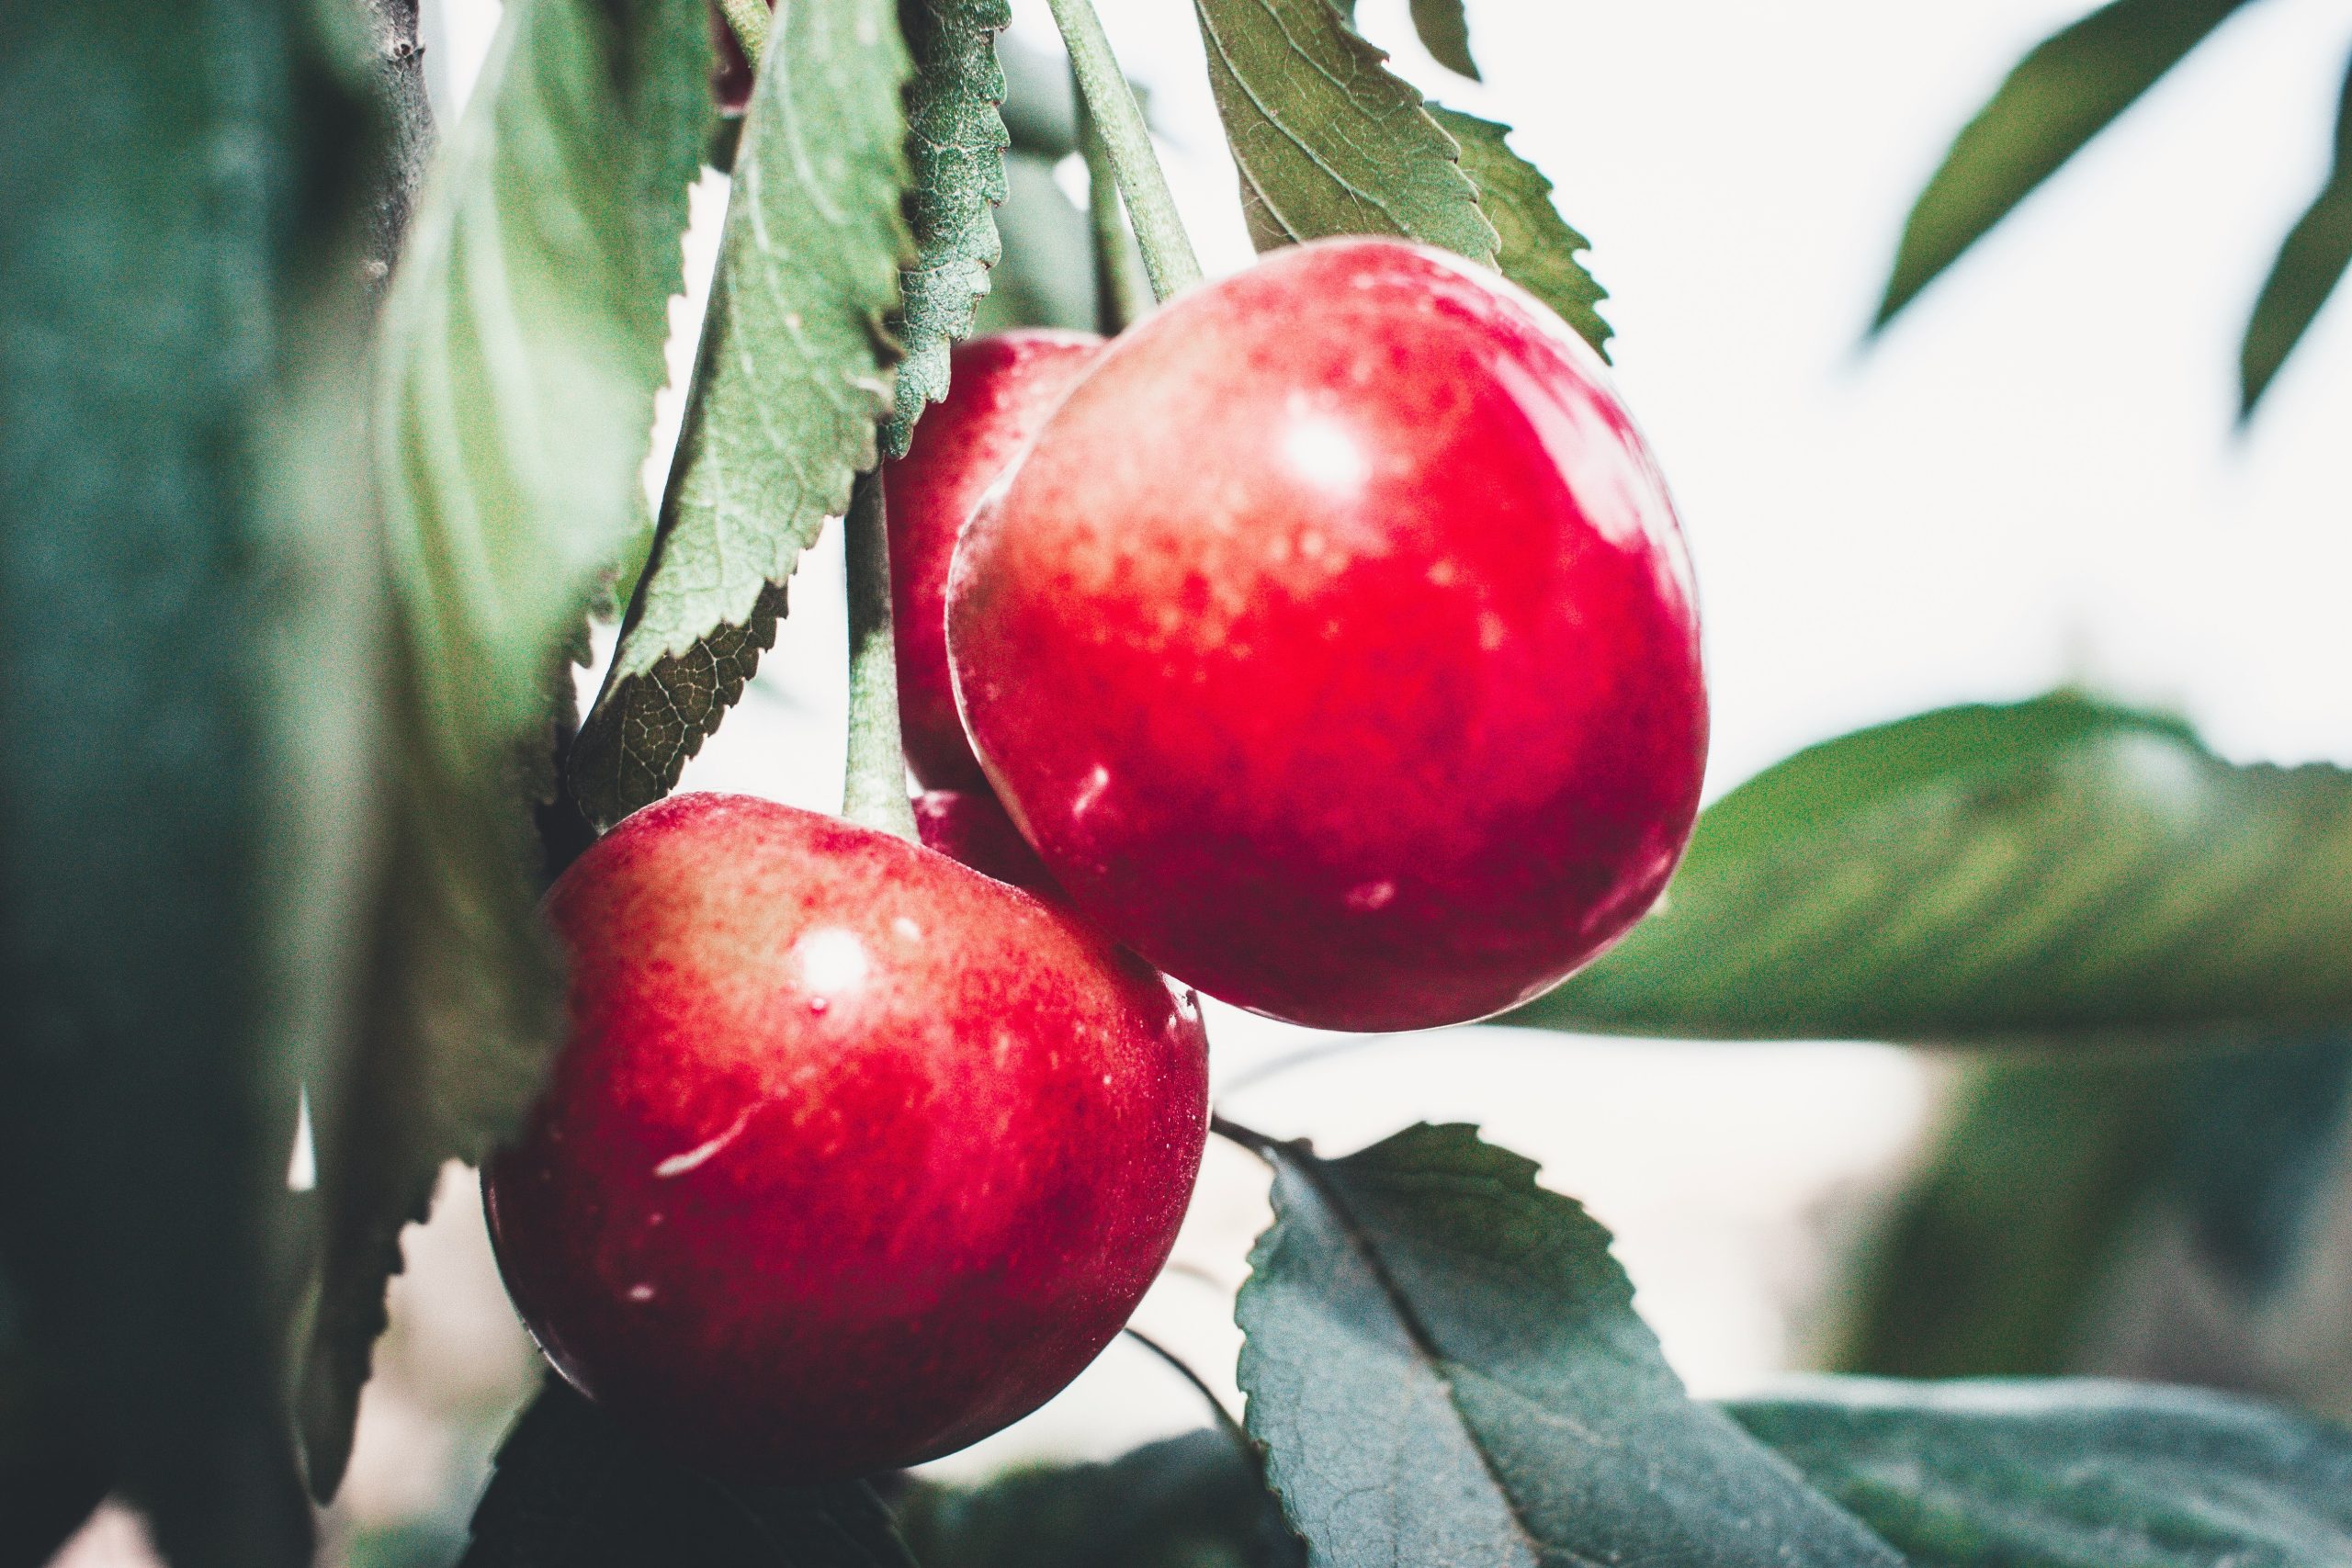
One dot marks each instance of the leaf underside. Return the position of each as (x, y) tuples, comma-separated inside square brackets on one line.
[(2066, 90), (2311, 262), (2053, 872), (2069, 1474), (1445, 32), (1327, 140), (794, 373), (522, 347), (1444, 1366), (956, 143)]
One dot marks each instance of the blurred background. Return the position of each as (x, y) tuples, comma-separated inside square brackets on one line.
[(2033, 479)]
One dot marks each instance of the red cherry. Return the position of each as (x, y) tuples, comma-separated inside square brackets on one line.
[(854, 1155), (970, 827), (1335, 643), (999, 389)]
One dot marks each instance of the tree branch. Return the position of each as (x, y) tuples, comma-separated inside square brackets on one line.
[(398, 54)]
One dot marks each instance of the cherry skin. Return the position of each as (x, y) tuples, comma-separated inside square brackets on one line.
[(854, 1155), (970, 827), (999, 389), (1335, 643)]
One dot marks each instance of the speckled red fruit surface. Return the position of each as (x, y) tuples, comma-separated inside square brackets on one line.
[(999, 389), (970, 827), (853, 1155), (1335, 643)]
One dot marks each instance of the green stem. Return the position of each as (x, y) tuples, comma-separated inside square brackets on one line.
[(750, 21), (873, 785), (1167, 251), (1119, 290)]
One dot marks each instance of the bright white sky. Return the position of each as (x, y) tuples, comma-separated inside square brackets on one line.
[(2033, 479)]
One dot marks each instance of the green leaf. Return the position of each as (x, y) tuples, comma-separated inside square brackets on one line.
[(2069, 1474), (1188, 1502), (1445, 33), (955, 142), (522, 346), (2002, 1254), (795, 373), (51, 1480), (574, 1489), (2310, 261), (2066, 90), (189, 595), (1327, 140), (1992, 1252), (2057, 871), (1444, 1366), (1538, 250)]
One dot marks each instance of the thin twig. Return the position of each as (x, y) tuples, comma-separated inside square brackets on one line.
[(1231, 1428), (408, 142), (1257, 1143), (1121, 292)]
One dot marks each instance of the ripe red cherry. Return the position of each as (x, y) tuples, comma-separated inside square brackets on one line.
[(999, 389), (1335, 643), (854, 1155), (970, 827)]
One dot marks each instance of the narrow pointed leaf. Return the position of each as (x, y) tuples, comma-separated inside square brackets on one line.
[(1445, 33), (795, 373), (1444, 1366), (186, 730), (2311, 262), (575, 1490), (522, 346), (955, 142), (2069, 1474), (2066, 90), (1326, 139), (2056, 871), (1538, 250)]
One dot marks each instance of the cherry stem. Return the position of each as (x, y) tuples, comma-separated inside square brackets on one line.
[(874, 783), (1126, 139), (1265, 1146), (750, 21), (1119, 290), (1225, 1423)]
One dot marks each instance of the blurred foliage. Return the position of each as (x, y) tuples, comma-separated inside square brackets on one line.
[(2065, 91), (1444, 1365), (794, 369), (2069, 1474), (1196, 1501), (188, 607), (2058, 872), (1994, 1255), (519, 352), (574, 1489)]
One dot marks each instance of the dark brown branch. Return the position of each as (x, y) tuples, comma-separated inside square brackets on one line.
[(400, 61)]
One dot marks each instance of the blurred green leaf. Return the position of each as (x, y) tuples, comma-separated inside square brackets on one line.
[(2057, 871), (1188, 1502), (2069, 1474), (522, 346), (2311, 262), (1445, 33), (794, 374), (1999, 1253), (2066, 90), (50, 1479), (1538, 249), (955, 142), (188, 596), (1046, 278), (574, 1489), (1992, 1251), (1444, 1366), (1327, 140)]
